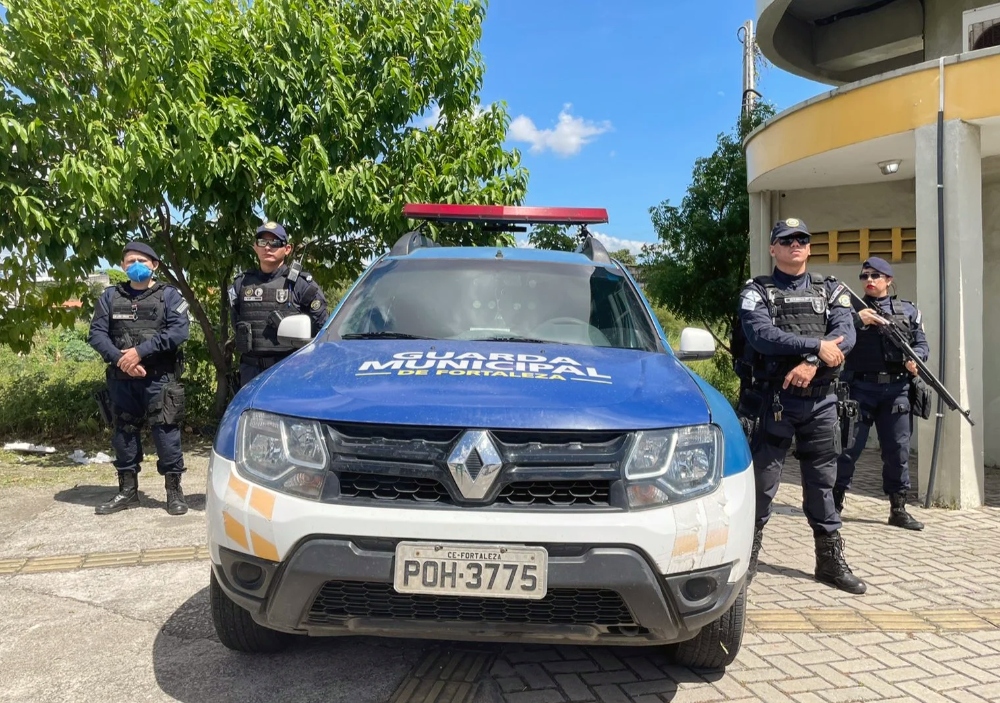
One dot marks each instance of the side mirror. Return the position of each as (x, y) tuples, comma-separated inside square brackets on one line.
[(295, 330), (696, 345)]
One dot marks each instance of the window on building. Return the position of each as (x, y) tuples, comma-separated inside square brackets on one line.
[(982, 28), (896, 244)]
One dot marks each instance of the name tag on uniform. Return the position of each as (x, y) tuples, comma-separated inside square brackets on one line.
[(253, 295), (123, 316)]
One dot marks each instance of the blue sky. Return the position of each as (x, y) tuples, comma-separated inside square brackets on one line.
[(650, 84)]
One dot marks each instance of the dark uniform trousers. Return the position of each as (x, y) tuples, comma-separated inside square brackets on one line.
[(887, 406), (134, 401), (251, 367), (814, 425)]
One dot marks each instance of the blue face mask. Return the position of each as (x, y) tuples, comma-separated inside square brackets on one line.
[(139, 272)]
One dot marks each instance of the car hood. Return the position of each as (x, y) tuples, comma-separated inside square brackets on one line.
[(483, 384)]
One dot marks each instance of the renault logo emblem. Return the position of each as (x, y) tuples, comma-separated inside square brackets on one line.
[(475, 463)]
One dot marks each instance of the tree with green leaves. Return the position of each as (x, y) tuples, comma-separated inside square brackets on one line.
[(188, 122), (625, 256), (555, 237), (702, 259)]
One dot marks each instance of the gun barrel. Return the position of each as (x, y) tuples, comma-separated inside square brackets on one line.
[(895, 335)]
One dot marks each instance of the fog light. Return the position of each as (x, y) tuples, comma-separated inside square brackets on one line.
[(699, 588), (248, 575)]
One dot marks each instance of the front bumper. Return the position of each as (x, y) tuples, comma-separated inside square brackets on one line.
[(291, 597)]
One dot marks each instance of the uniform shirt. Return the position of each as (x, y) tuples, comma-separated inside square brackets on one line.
[(169, 339), (307, 297), (885, 305), (768, 340)]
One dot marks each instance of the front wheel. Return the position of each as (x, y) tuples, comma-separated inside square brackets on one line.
[(718, 643), (236, 628)]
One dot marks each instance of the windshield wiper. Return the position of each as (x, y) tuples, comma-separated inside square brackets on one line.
[(511, 338), (381, 335)]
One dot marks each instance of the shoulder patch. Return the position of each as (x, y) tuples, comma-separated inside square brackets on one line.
[(844, 300), (182, 308), (750, 300), (919, 318), (232, 294), (315, 305)]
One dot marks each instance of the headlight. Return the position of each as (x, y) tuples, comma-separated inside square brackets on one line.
[(671, 466), (284, 453)]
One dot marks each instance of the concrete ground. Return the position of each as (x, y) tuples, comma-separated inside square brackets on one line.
[(99, 608)]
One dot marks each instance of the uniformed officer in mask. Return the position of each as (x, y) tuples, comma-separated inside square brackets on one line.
[(880, 382), (797, 328), (138, 329), (260, 299)]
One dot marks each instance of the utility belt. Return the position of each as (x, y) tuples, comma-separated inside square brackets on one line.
[(761, 399), (159, 372), (262, 362), (881, 378), (810, 391)]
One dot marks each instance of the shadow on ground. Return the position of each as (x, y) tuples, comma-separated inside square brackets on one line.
[(92, 496), (191, 665)]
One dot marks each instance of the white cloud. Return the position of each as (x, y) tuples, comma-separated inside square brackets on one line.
[(433, 116), (568, 137), (616, 243), (610, 243), (430, 119)]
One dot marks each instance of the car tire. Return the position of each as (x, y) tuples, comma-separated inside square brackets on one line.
[(718, 643), (236, 628)]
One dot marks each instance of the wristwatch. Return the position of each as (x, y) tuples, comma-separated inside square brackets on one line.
[(812, 359)]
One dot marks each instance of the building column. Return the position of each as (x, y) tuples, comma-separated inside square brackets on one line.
[(959, 480), (762, 219)]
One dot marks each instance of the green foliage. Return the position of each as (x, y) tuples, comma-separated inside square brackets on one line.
[(702, 259), (625, 256), (48, 393), (555, 237), (184, 122), (116, 276)]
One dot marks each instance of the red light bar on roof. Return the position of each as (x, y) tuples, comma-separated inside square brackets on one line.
[(506, 214)]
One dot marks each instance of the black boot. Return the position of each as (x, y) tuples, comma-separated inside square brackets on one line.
[(128, 495), (898, 517), (832, 568), (838, 499), (175, 496), (758, 540)]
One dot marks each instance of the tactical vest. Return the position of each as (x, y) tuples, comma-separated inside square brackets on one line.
[(873, 353), (804, 313), (256, 302), (135, 320)]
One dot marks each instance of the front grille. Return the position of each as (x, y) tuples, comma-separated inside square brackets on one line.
[(556, 493), (384, 488), (341, 600), (552, 470)]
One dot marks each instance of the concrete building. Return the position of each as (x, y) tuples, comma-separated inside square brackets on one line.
[(859, 165)]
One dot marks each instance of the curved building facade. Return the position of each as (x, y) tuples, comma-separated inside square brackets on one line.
[(859, 165)]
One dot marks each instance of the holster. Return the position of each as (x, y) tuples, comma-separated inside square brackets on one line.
[(848, 413), (274, 319), (920, 398), (103, 398), (750, 411), (244, 337), (169, 407)]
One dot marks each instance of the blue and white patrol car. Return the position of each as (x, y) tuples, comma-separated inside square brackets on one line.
[(485, 444)]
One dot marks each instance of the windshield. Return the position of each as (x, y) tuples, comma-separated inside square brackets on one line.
[(498, 300)]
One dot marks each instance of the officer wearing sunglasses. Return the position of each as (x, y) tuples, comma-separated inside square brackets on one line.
[(793, 331), (259, 299), (880, 382)]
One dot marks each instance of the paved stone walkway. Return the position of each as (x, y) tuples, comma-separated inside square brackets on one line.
[(927, 630)]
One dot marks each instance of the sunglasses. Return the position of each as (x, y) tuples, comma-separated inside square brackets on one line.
[(263, 243), (802, 239), (872, 276)]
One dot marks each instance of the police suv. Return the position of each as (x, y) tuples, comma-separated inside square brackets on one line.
[(491, 444)]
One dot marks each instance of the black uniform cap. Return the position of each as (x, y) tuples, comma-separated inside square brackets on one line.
[(142, 248)]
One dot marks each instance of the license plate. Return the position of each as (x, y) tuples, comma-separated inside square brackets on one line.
[(494, 571)]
